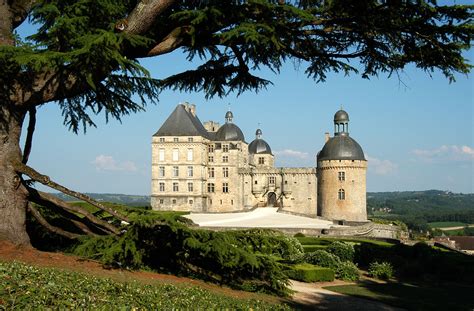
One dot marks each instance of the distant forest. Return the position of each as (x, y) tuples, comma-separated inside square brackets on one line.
[(415, 208), (418, 208)]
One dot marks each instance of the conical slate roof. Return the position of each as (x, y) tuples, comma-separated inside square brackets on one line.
[(182, 122)]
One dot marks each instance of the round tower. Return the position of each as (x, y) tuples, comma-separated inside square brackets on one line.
[(342, 170)]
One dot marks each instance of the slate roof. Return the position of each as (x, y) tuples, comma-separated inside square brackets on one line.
[(341, 147), (259, 146), (229, 132), (182, 122)]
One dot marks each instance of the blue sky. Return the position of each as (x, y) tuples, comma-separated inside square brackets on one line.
[(417, 133)]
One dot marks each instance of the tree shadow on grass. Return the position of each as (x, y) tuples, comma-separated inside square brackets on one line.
[(413, 296)]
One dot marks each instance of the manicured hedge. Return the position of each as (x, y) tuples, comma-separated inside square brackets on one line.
[(310, 273)]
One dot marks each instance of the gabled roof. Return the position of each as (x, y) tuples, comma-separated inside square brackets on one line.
[(182, 122)]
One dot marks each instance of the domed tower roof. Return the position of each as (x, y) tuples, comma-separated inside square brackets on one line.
[(341, 116), (258, 145), (341, 146), (229, 131)]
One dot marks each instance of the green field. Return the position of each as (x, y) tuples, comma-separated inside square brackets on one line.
[(413, 296), (446, 224)]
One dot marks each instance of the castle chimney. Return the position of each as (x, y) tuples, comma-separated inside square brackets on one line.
[(192, 109), (326, 137)]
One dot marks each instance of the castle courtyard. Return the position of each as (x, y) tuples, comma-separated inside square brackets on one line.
[(262, 217)]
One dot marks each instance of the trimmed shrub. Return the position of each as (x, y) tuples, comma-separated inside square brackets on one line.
[(310, 273), (322, 258), (299, 235), (382, 270), (344, 251), (347, 271)]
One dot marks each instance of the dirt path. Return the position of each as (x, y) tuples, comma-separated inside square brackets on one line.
[(307, 296)]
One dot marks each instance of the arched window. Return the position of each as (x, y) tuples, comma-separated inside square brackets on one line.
[(342, 194)]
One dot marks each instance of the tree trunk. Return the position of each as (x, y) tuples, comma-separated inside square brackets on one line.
[(13, 195)]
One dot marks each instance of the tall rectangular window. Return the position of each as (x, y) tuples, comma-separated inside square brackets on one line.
[(225, 159), (162, 171), (190, 139), (210, 148), (161, 155), (225, 148), (190, 154), (261, 160), (341, 194), (175, 171), (342, 176), (225, 187), (225, 172), (175, 154), (190, 171), (210, 172), (190, 187), (162, 139), (210, 187), (176, 139), (211, 159), (175, 187), (162, 186), (271, 180)]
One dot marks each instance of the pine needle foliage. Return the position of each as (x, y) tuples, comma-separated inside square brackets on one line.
[(98, 68)]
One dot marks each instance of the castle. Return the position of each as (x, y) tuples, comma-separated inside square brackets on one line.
[(209, 168)]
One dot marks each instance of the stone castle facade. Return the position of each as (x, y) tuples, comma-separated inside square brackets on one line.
[(211, 168)]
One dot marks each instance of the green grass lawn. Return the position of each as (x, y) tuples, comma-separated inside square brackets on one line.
[(24, 287), (413, 297), (445, 224)]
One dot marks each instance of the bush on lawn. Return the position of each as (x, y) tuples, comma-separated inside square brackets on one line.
[(322, 258), (310, 273), (347, 271), (344, 251), (382, 270)]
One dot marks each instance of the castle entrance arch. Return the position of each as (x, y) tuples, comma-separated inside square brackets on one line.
[(271, 199)]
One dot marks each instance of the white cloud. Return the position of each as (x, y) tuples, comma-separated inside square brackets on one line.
[(445, 152), (108, 163), (293, 154), (381, 167)]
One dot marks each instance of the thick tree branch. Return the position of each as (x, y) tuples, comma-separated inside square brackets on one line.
[(170, 43), (43, 198), (36, 214), (144, 15), (45, 180), (29, 135)]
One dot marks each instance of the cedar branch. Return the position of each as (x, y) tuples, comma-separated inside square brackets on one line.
[(36, 214), (43, 198), (45, 180), (144, 14)]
